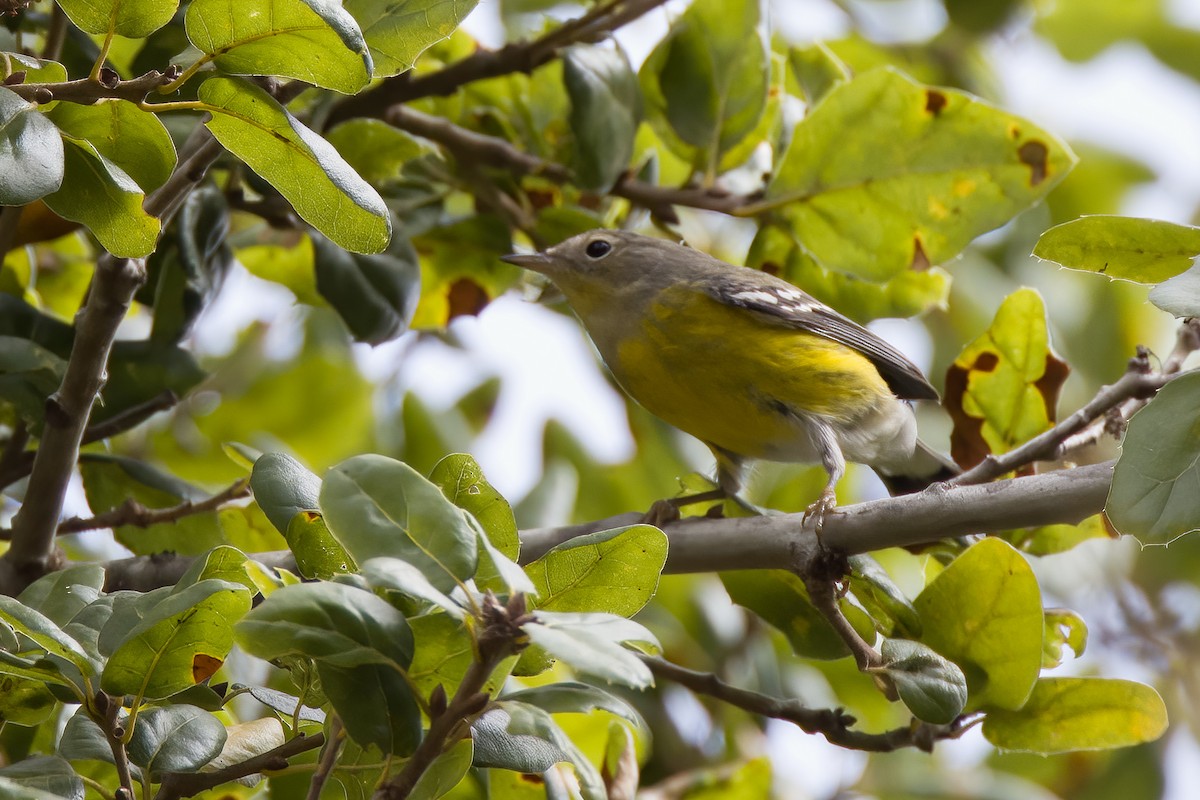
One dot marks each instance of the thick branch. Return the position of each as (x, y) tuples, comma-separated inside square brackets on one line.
[(833, 724), (186, 784), (772, 542), (67, 412), (495, 152), (514, 57)]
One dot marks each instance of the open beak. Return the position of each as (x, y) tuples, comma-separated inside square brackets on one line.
[(538, 262)]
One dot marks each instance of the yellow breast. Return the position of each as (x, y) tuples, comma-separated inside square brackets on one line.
[(730, 378)]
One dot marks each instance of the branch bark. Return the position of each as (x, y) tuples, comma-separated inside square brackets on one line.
[(515, 57), (185, 784), (833, 724), (67, 413)]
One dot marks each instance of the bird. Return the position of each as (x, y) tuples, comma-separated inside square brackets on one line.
[(744, 361)]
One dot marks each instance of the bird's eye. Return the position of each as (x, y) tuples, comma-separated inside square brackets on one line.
[(598, 248)]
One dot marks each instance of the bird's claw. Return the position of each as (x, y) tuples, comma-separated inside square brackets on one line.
[(825, 504)]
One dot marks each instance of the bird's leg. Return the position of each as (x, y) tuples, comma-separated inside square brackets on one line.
[(825, 441), (729, 482)]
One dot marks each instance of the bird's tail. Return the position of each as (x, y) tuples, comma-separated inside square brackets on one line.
[(927, 466)]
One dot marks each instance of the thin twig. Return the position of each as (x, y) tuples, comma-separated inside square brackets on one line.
[(328, 759), (499, 636), (131, 417), (19, 467), (110, 724), (87, 91), (186, 784), (515, 57), (1137, 382), (56, 34), (822, 591), (833, 724), (134, 513), (495, 152)]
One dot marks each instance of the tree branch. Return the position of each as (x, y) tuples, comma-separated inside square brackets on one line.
[(700, 544), (186, 784), (134, 513), (87, 91), (822, 591), (18, 467), (515, 57), (833, 724), (495, 152), (499, 637), (67, 413)]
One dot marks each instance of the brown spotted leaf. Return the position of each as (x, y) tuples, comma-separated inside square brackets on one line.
[(886, 174), (1003, 388)]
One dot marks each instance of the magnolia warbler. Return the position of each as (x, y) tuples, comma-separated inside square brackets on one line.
[(744, 361)]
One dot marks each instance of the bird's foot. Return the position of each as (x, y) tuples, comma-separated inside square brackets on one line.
[(826, 504), (661, 513)]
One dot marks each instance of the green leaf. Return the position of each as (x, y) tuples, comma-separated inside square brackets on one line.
[(1153, 495), (102, 196), (591, 644), (318, 554), (606, 108), (190, 264), (29, 373), (1063, 627), (932, 688), (445, 772), (43, 632), (984, 613), (706, 82), (1065, 715), (333, 623), (885, 174), (375, 295), (397, 31), (1002, 389), (779, 597), (816, 70), (377, 506), (175, 739), (31, 152), (283, 488), (62, 594), (25, 701), (394, 575), (305, 168), (40, 777), (882, 598), (569, 697), (313, 41), (376, 705), (283, 702), (132, 139), (83, 740), (134, 19), (461, 479), (443, 652), (1125, 248), (1179, 295), (518, 737), (375, 150), (223, 563), (37, 70), (615, 571), (181, 642)]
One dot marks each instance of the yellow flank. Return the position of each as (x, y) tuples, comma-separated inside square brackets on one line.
[(731, 378)]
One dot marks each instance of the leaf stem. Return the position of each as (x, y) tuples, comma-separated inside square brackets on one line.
[(94, 75)]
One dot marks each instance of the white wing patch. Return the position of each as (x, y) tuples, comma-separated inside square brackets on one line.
[(756, 296), (786, 300)]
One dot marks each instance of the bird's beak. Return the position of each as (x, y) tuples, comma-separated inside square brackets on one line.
[(538, 262)]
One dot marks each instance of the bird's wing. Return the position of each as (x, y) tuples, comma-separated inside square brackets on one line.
[(783, 304)]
